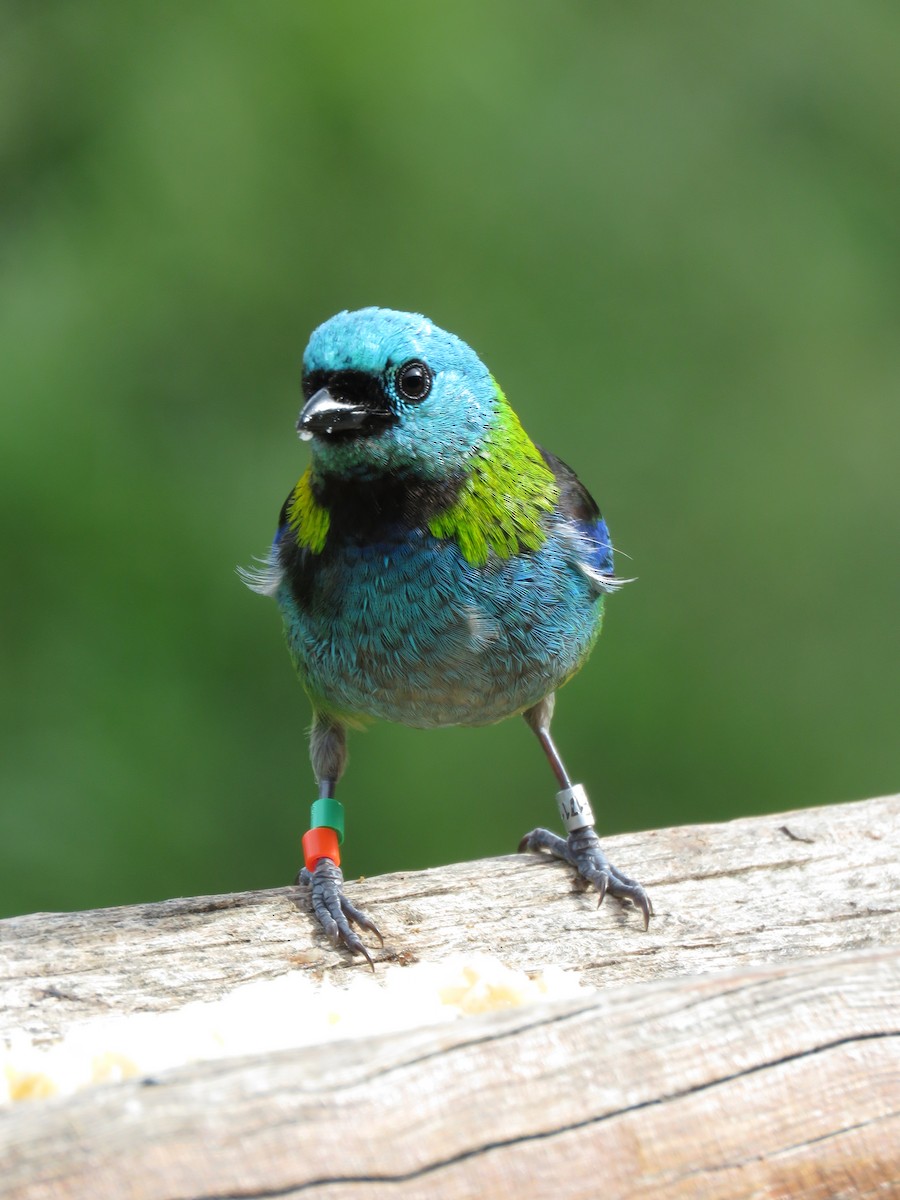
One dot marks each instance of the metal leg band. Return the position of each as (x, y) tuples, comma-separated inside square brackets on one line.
[(574, 808)]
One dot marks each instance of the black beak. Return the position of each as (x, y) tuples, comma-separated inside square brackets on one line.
[(326, 413)]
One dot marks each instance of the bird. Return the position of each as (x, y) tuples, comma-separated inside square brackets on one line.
[(433, 567)]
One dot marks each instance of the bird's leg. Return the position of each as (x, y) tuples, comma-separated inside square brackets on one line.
[(582, 846), (322, 873)]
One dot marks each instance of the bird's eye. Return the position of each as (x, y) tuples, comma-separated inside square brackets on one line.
[(413, 380)]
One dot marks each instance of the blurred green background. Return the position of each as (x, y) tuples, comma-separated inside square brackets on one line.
[(672, 233)]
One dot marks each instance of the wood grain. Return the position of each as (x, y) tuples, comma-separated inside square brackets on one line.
[(778, 1081), (748, 1045), (754, 890)]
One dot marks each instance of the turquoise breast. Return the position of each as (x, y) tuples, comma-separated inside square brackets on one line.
[(408, 631)]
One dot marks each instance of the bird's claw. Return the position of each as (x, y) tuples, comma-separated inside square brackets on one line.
[(334, 911), (582, 850)]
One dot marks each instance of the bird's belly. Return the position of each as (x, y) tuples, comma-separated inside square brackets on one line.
[(424, 639)]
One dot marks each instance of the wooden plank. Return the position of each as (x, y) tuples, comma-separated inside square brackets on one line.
[(766, 1081), (815, 881), (748, 1045)]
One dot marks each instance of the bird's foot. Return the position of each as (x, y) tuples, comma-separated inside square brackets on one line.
[(334, 911), (582, 850)]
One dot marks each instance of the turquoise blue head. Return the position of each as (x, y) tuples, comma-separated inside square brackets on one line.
[(390, 392)]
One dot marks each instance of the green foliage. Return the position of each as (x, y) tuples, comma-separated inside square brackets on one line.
[(670, 229)]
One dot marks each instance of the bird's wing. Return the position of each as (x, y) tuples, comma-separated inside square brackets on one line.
[(593, 552), (266, 575)]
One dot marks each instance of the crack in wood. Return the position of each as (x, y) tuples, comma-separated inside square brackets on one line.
[(743, 968), (736, 1164), (548, 1134)]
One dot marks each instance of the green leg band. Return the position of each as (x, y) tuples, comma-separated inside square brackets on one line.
[(330, 813)]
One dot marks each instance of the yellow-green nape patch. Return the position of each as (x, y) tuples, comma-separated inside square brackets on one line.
[(508, 490), (308, 519)]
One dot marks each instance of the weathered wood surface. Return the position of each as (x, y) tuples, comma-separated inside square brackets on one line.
[(780, 1081), (776, 1072), (755, 890)]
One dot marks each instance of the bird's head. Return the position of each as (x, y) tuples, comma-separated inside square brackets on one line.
[(389, 392)]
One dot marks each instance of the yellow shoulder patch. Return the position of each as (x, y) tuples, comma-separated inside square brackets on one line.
[(502, 502), (308, 519)]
